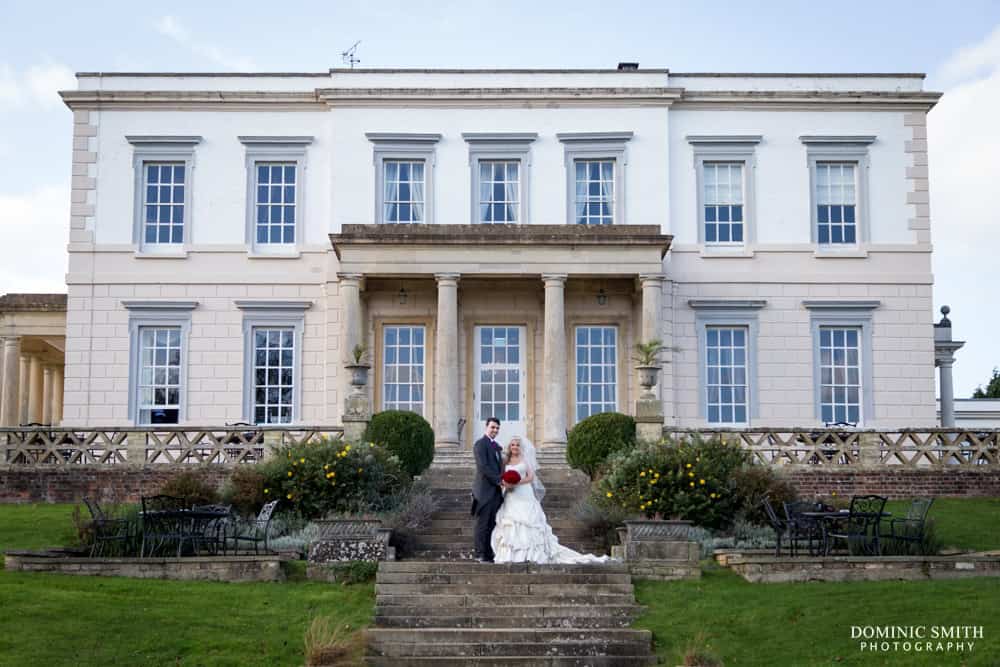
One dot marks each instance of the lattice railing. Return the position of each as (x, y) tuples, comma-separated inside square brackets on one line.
[(159, 445), (910, 448)]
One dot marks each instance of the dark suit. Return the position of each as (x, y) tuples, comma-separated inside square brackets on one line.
[(486, 493)]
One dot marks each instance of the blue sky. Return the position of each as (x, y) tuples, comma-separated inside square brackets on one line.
[(956, 43)]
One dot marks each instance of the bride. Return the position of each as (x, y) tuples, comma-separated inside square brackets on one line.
[(522, 532)]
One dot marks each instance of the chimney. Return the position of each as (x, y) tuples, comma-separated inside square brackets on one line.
[(628, 67)]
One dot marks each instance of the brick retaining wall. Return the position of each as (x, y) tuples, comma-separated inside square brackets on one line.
[(126, 484), (935, 482), (118, 484)]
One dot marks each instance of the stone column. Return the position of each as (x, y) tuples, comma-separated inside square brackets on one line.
[(23, 388), (47, 395), (35, 377), (944, 358), (446, 399), (10, 399), (357, 410), (57, 395), (649, 412), (554, 364)]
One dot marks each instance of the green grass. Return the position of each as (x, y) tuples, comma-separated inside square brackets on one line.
[(963, 523), (51, 619), (810, 624)]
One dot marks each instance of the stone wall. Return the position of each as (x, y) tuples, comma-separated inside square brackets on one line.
[(118, 484), (215, 568)]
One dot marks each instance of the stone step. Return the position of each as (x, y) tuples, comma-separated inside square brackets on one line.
[(436, 615), (502, 568), (442, 536), (472, 642), (464, 620), (466, 578), (560, 514), (491, 600), (515, 661), (516, 590), (463, 550)]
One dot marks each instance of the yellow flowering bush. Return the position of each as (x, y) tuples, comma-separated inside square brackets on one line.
[(334, 477), (689, 479)]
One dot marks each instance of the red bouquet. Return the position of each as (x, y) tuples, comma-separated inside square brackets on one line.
[(512, 477)]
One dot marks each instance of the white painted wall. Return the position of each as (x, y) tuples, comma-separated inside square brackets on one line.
[(782, 172)]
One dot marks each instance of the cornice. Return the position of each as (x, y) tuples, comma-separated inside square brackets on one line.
[(808, 100), (191, 100), (499, 97)]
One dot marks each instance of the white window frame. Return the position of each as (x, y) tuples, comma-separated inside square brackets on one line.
[(727, 148), (383, 375), (845, 314), (161, 148), (272, 315), (845, 149), (728, 313), (500, 146), (595, 146), (268, 149), (157, 314), (403, 146), (576, 367)]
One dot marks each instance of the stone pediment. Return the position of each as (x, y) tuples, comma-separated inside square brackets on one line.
[(414, 249)]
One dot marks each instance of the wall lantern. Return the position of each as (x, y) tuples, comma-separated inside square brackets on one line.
[(602, 297), (402, 294)]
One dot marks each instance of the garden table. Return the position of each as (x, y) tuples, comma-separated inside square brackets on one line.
[(828, 519), (193, 526)]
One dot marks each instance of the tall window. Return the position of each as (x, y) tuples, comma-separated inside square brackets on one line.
[(276, 202), (499, 190), (836, 202), (159, 386), (163, 202), (726, 381), (596, 370), (840, 374), (403, 199), (723, 201), (403, 368), (273, 374), (595, 192)]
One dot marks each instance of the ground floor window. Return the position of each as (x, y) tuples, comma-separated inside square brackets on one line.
[(273, 374), (403, 367), (840, 374), (159, 386), (726, 379), (596, 370)]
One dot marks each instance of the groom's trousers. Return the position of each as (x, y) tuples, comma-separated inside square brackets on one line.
[(486, 519)]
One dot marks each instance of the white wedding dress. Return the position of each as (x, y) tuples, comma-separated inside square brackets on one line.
[(522, 532)]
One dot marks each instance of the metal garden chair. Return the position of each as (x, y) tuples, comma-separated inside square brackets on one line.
[(163, 525), (779, 525), (802, 527), (107, 531), (911, 528), (860, 528), (255, 532)]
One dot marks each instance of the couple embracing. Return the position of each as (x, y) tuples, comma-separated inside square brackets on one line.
[(510, 524)]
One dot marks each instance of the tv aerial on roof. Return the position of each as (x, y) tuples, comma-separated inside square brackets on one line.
[(350, 56)]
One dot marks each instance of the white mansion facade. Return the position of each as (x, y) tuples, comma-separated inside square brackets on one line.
[(499, 240)]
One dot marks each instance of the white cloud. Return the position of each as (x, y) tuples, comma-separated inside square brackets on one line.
[(964, 141), (34, 231), (38, 86), (171, 27)]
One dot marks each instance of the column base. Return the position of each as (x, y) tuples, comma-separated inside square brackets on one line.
[(648, 420)]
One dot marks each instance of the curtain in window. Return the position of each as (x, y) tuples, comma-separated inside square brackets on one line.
[(391, 194), (510, 194)]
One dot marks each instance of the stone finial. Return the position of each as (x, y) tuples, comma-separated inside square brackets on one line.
[(945, 322)]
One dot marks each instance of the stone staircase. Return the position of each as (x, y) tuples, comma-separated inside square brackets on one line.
[(450, 534), (462, 613)]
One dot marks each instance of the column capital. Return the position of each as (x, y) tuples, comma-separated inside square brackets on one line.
[(11, 340), (554, 279), (647, 278), (350, 277), (447, 278)]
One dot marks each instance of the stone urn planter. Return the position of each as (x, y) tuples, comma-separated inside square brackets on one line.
[(648, 376), (359, 375)]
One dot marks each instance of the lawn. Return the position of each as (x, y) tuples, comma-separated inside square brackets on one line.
[(69, 620), (962, 523)]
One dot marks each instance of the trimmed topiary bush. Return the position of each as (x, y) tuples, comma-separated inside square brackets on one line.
[(405, 434), (598, 436)]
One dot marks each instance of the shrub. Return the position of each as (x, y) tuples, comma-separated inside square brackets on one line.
[(245, 490), (691, 480), (330, 477), (413, 513), (192, 487), (594, 439), (327, 643), (752, 484), (405, 434), (600, 518)]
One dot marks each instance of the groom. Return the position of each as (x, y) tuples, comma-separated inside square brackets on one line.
[(487, 488)]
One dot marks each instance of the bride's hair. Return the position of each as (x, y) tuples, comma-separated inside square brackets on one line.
[(517, 439)]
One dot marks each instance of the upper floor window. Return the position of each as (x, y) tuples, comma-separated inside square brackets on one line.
[(404, 176), (836, 202), (403, 199), (724, 173), (275, 182), (838, 197), (595, 166), (163, 167), (500, 163)]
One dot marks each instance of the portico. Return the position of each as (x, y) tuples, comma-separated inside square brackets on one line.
[(33, 332), (499, 308)]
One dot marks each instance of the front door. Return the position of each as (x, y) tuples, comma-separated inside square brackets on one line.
[(500, 388)]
